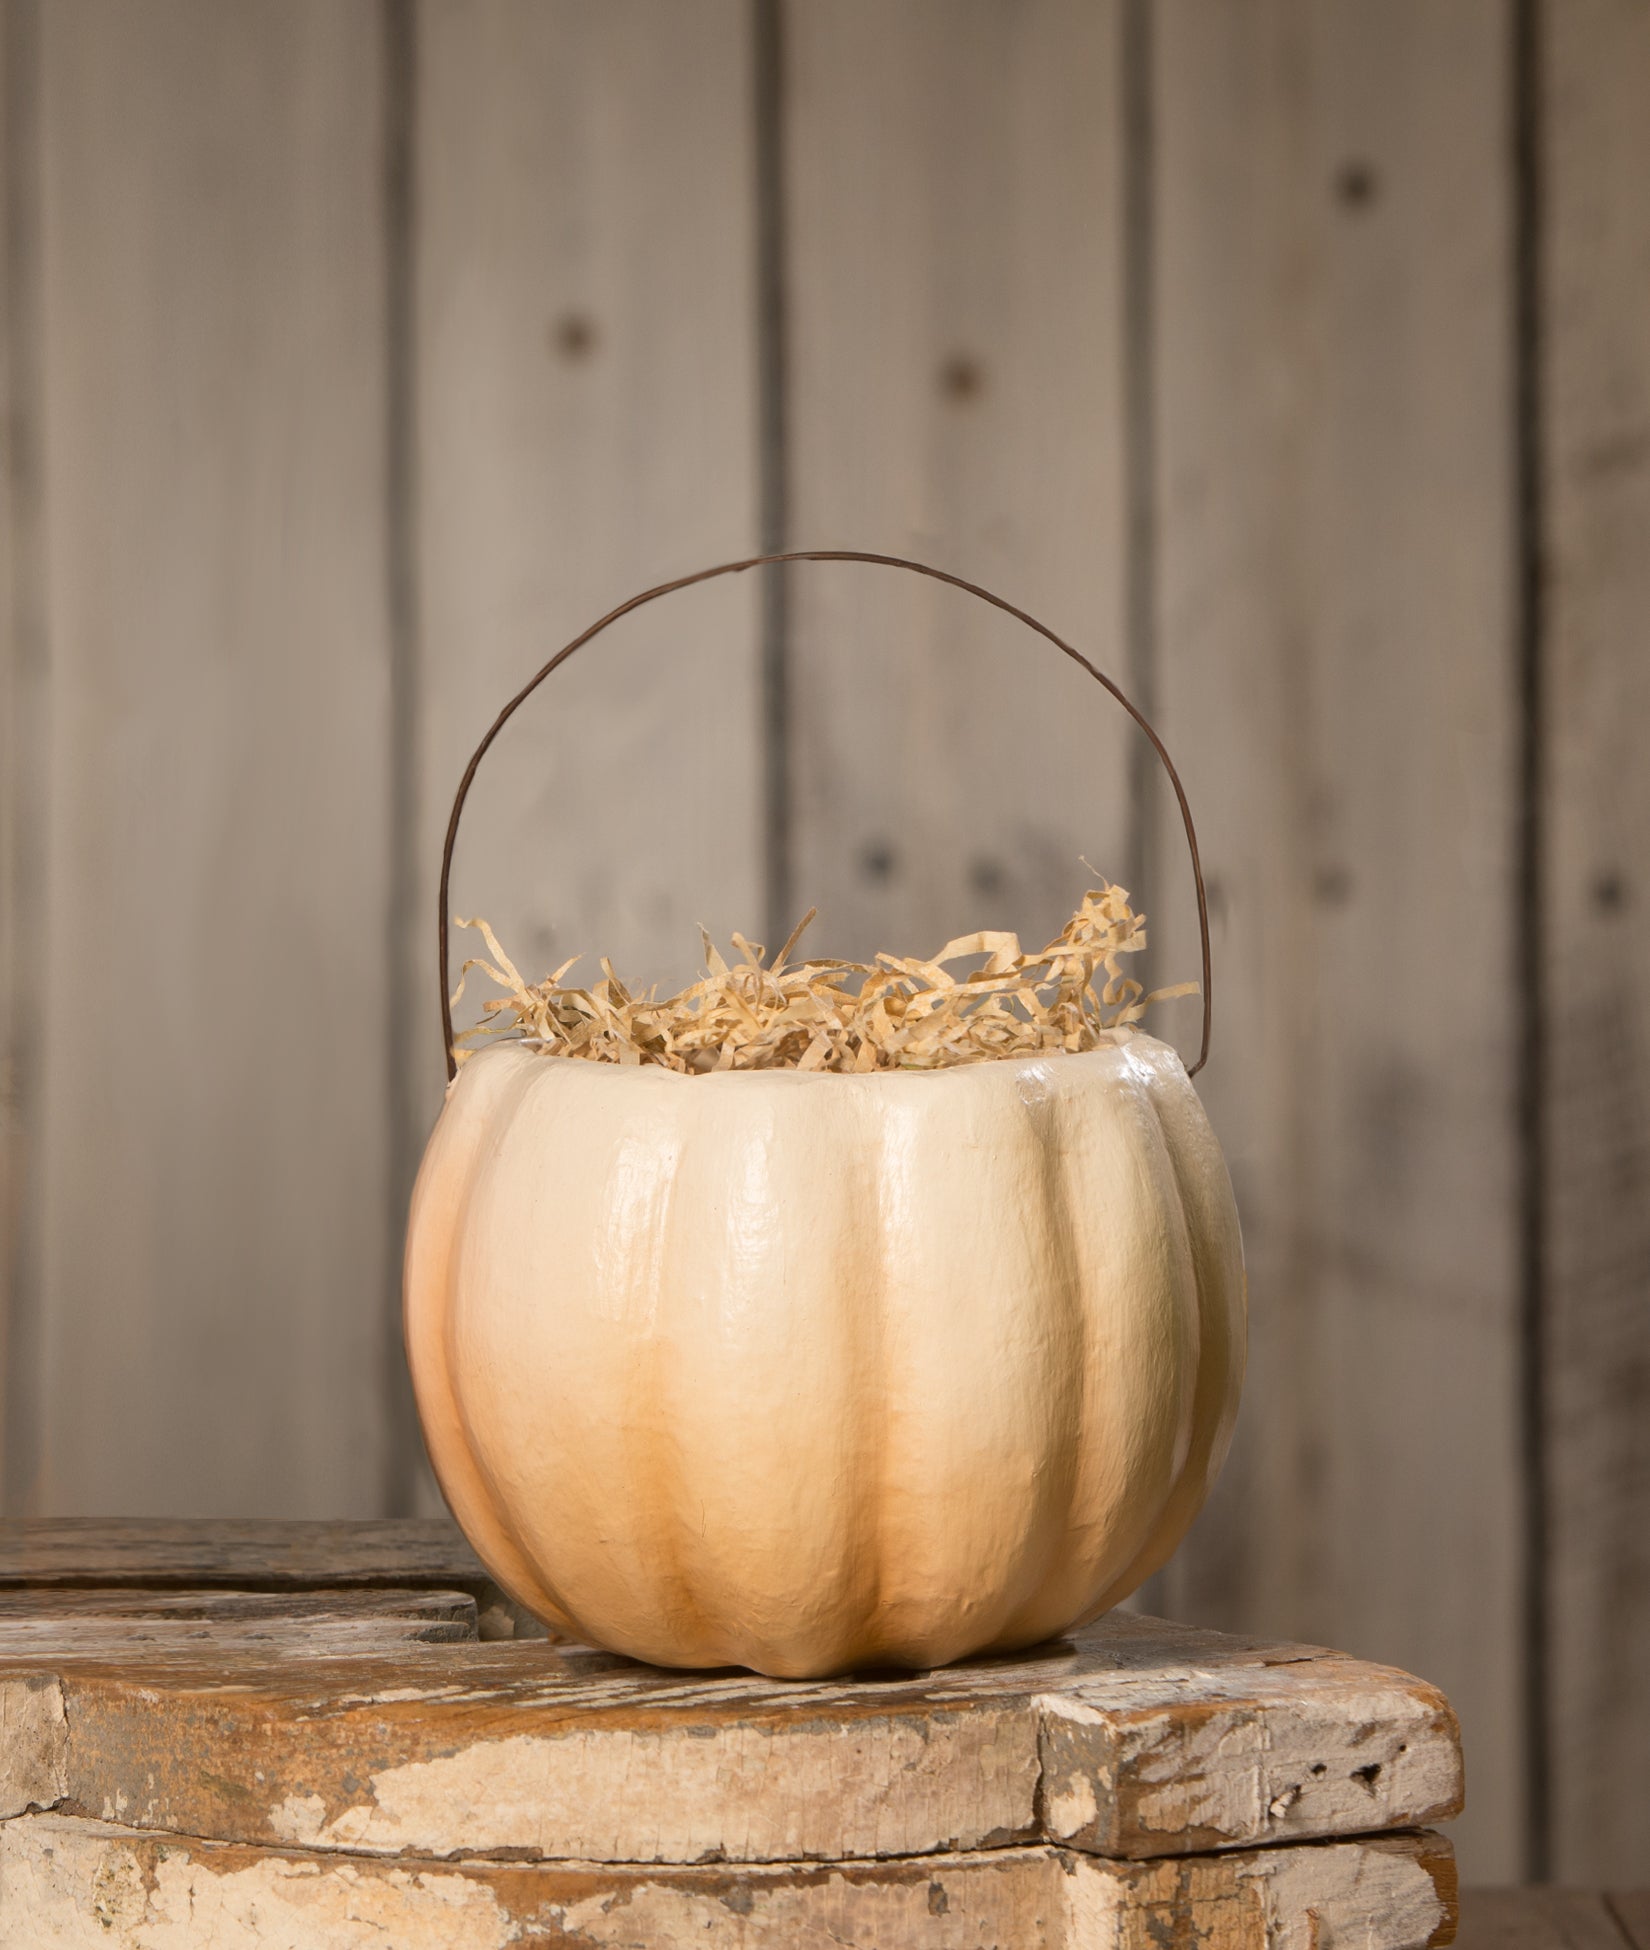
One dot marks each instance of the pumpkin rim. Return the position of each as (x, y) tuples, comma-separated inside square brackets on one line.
[(1125, 1038)]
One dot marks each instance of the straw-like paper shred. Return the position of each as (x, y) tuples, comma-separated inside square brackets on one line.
[(893, 1013)]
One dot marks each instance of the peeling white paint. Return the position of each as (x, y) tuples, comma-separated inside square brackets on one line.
[(1140, 1739), (735, 1791), (1354, 1760), (1363, 1896), (1071, 1808), (1323, 1746), (34, 1739), (300, 1818), (71, 1884), (67, 1885)]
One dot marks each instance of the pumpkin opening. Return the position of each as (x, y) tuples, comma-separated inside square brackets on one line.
[(897, 1012)]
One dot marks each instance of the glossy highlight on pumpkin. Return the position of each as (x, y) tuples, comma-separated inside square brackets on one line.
[(809, 1372)]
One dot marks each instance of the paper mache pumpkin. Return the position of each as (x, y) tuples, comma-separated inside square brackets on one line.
[(807, 1371)]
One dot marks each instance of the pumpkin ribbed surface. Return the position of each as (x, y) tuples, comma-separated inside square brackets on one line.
[(807, 1372)]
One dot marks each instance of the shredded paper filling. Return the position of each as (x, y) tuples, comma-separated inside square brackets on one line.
[(893, 1013)]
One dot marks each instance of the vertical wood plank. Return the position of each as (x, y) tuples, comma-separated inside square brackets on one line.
[(22, 703), (1337, 671), (1595, 693), (955, 336), (587, 425), (214, 1246)]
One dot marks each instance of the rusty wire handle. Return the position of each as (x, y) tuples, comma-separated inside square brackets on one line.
[(812, 555)]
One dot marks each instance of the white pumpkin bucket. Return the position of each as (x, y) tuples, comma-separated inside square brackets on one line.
[(809, 1371)]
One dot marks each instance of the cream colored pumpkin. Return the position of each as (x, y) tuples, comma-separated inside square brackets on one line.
[(807, 1372)]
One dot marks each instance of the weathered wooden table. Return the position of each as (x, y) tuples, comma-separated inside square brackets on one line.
[(329, 1735)]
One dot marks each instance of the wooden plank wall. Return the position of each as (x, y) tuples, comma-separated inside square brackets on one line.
[(354, 355), (954, 265), (18, 653), (1593, 321), (207, 1280), (1336, 666)]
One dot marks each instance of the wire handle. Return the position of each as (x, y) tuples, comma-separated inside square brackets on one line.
[(812, 555)]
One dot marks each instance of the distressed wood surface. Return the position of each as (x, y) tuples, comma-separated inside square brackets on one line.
[(211, 386), (254, 1553), (1595, 708), (257, 1554), (1541, 1919), (1135, 1739), (954, 280), (69, 1883), (132, 1625), (1336, 674)]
